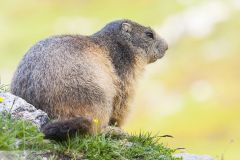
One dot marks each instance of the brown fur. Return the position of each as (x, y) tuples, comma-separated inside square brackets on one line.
[(80, 79)]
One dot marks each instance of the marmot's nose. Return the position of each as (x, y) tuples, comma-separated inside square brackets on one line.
[(165, 45)]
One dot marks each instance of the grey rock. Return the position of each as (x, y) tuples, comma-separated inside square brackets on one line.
[(34, 155), (188, 156), (19, 108), (12, 155), (114, 131)]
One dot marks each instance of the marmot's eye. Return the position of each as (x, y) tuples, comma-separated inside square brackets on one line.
[(150, 34)]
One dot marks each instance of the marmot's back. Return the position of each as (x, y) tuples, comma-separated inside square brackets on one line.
[(63, 71)]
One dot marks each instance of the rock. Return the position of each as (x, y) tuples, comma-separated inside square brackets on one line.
[(187, 156), (41, 155), (19, 108), (114, 131), (10, 155)]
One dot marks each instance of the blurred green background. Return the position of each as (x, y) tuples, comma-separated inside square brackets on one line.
[(192, 93)]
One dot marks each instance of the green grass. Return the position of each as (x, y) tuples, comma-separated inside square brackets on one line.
[(20, 135)]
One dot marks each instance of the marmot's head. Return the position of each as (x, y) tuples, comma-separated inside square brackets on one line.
[(141, 40)]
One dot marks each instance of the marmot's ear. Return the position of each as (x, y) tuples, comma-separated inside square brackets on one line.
[(126, 27)]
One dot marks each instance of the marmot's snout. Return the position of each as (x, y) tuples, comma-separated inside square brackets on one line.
[(159, 48), (162, 46)]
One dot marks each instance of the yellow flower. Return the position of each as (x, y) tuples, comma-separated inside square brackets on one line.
[(95, 120), (1, 99)]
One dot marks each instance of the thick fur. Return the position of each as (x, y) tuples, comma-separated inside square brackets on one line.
[(78, 79)]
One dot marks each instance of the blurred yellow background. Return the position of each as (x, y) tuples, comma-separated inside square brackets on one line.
[(192, 93)]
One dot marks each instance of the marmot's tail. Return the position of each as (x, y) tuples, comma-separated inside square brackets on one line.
[(61, 130)]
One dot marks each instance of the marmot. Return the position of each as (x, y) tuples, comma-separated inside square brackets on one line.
[(86, 81)]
